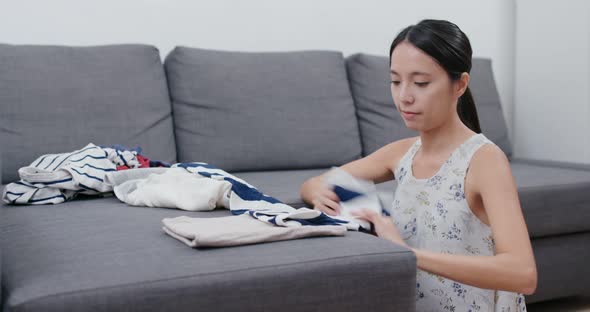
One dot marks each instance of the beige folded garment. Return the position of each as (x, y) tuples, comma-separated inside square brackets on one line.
[(239, 230)]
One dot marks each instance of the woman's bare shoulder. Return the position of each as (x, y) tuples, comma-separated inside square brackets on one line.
[(488, 158), (406, 142), (489, 165), (379, 166)]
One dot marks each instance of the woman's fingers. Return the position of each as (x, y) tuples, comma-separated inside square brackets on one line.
[(384, 225), (327, 210), (358, 213), (327, 202), (327, 206), (364, 214), (331, 204), (331, 195)]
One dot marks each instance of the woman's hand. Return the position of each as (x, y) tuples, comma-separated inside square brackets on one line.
[(384, 226), (325, 200), (320, 196)]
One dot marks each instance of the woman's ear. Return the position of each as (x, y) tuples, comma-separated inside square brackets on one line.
[(461, 84)]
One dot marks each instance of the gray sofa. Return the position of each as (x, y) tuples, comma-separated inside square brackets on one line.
[(273, 119)]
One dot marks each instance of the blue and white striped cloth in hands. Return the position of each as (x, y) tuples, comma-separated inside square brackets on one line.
[(56, 178), (354, 194)]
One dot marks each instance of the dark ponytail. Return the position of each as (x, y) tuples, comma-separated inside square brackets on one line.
[(450, 47), (467, 112)]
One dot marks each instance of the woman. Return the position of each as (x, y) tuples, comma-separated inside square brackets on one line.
[(456, 205)]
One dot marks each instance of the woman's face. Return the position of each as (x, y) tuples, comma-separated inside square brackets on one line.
[(422, 90)]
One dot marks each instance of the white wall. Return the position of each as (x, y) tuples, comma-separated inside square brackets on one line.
[(263, 25), (552, 111)]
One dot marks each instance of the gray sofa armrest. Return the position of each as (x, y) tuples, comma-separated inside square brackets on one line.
[(551, 163)]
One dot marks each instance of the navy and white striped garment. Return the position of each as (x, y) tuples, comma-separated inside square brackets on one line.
[(354, 194), (56, 178), (245, 198)]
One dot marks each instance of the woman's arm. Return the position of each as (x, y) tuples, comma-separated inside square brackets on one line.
[(513, 267), (501, 272), (377, 167)]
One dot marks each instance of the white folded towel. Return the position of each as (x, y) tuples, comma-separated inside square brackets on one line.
[(175, 188)]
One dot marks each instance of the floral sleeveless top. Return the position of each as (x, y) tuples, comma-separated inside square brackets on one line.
[(433, 214)]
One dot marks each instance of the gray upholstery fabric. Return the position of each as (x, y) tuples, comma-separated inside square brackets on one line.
[(1, 283), (552, 163), (244, 111), (554, 200), (562, 266), (379, 121), (101, 255), (487, 102), (57, 99)]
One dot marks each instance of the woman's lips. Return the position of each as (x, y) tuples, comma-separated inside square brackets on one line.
[(409, 115)]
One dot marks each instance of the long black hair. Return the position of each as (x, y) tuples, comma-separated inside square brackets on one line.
[(450, 47)]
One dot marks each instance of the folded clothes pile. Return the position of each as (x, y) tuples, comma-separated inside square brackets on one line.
[(202, 187), (195, 186), (239, 230)]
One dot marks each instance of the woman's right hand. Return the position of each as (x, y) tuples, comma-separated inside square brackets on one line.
[(325, 200)]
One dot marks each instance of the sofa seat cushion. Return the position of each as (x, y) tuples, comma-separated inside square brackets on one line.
[(244, 111), (555, 200), (56, 99), (102, 255), (562, 264)]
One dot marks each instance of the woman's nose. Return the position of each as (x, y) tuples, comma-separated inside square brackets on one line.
[(405, 94)]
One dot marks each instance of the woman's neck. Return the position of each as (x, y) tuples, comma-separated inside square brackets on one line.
[(444, 139)]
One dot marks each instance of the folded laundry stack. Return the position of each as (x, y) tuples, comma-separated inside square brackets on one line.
[(239, 230), (199, 186)]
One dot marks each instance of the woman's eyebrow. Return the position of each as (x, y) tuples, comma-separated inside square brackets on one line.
[(414, 73)]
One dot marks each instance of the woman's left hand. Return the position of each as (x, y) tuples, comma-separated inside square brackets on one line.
[(384, 226)]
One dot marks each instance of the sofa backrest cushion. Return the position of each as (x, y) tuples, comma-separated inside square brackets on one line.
[(246, 111), (56, 99), (379, 121)]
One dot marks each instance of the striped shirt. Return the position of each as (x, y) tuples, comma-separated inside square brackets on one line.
[(56, 178)]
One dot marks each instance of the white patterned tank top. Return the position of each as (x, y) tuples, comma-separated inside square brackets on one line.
[(433, 214)]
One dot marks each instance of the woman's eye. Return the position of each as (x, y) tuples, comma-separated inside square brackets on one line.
[(421, 84), (395, 82)]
